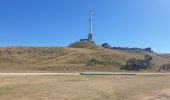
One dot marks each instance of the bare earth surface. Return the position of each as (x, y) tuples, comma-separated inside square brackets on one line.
[(77, 87), (159, 95)]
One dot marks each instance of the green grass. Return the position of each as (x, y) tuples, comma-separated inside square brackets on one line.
[(59, 59)]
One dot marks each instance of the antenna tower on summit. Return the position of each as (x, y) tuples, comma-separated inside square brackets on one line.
[(90, 34)]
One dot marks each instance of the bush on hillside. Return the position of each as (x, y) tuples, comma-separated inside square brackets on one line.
[(138, 64), (92, 62), (165, 66)]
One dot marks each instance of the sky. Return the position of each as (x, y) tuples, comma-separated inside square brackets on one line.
[(124, 23)]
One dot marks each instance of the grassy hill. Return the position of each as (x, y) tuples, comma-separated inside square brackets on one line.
[(77, 57), (167, 56)]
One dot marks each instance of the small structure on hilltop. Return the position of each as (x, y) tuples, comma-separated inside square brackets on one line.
[(90, 34), (106, 45)]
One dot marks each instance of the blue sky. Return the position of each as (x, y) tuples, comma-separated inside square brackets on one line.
[(127, 23)]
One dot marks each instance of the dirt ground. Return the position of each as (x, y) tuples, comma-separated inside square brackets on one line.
[(77, 87)]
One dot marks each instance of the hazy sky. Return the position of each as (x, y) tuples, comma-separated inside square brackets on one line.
[(127, 23)]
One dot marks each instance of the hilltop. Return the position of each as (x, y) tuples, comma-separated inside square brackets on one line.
[(77, 57)]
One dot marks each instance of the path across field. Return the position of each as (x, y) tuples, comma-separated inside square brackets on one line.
[(121, 73), (39, 74), (85, 73)]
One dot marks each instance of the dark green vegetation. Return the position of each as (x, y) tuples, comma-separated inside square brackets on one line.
[(77, 57), (166, 66), (138, 64)]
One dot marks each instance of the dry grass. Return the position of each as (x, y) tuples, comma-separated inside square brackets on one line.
[(55, 59), (75, 87)]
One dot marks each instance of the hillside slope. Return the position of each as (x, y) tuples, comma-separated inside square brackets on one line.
[(57, 59), (167, 56)]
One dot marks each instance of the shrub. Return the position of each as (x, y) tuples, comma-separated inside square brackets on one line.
[(165, 66), (92, 62), (138, 64)]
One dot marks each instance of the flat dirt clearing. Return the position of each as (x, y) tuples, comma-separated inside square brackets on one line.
[(77, 87)]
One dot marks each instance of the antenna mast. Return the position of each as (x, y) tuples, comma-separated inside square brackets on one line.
[(90, 35), (90, 19)]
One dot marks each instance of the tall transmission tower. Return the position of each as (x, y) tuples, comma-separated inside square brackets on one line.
[(90, 34)]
